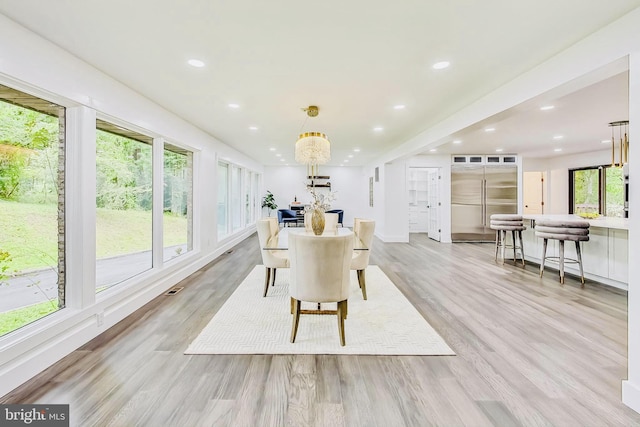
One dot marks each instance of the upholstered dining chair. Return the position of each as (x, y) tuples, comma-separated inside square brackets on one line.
[(340, 213), (274, 225), (330, 222), (307, 221), (319, 274), (360, 259), (356, 225), (271, 259)]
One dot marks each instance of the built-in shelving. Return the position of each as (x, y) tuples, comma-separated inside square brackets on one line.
[(318, 181)]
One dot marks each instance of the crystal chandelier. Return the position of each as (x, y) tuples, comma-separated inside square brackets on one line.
[(312, 148)]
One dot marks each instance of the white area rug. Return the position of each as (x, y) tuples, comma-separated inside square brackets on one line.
[(385, 324)]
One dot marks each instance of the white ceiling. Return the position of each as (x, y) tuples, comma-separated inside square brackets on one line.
[(354, 59)]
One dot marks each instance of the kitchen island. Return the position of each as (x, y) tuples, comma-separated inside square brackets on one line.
[(605, 257)]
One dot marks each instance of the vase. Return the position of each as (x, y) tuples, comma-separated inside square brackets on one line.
[(317, 221)]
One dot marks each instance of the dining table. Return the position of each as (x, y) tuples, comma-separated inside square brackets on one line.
[(280, 240)]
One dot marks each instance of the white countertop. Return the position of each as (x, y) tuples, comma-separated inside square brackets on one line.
[(603, 221)]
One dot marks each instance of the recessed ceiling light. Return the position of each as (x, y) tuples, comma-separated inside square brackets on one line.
[(489, 129), (350, 156), (378, 129), (558, 136), (341, 164), (547, 107), (605, 141), (557, 149), (272, 149), (278, 155), (398, 107), (346, 161), (195, 63), (234, 106), (253, 127), (357, 150), (433, 150), (499, 150), (457, 141), (440, 65), (282, 160)]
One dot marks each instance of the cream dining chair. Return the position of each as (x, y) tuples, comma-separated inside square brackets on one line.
[(319, 274), (271, 259), (274, 226), (360, 259)]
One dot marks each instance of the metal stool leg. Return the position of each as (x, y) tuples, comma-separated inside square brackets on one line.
[(561, 261), (580, 262), (504, 236), (497, 243), (544, 255), (521, 246)]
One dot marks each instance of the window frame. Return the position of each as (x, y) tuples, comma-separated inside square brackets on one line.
[(602, 185)]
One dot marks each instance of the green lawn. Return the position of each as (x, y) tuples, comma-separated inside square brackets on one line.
[(29, 233), (17, 318)]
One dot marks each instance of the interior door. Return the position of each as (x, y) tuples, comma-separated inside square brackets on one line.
[(533, 191), (433, 204)]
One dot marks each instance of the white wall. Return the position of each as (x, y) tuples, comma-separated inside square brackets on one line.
[(631, 387), (34, 65), (350, 185)]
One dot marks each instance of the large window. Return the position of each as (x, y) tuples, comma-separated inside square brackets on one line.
[(223, 202), (177, 202), (597, 190), (124, 204), (32, 244), (237, 198)]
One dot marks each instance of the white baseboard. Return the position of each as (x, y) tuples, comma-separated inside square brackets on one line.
[(631, 395)]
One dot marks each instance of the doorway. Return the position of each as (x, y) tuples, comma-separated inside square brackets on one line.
[(533, 192), (424, 201)]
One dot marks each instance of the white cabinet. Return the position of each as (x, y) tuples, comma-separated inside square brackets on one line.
[(605, 257)]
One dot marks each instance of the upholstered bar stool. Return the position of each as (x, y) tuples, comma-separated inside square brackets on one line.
[(508, 222), (574, 231)]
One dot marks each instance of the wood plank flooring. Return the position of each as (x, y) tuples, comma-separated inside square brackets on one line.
[(530, 352)]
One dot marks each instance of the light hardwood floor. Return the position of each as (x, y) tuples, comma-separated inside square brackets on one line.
[(530, 352)]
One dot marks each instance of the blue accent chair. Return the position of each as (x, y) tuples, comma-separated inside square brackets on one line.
[(286, 217)]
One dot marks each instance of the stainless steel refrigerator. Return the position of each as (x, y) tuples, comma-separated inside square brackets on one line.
[(477, 192)]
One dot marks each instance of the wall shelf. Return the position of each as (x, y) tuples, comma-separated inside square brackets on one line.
[(318, 181)]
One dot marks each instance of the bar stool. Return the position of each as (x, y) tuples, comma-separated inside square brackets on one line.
[(575, 231), (508, 222)]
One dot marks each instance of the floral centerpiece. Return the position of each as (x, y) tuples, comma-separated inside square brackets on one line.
[(320, 202)]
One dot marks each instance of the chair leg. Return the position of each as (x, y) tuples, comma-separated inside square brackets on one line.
[(544, 254), (513, 241), (267, 273), (502, 240), (342, 314), (580, 262), (561, 261), (521, 246), (296, 319), (273, 277), (497, 243), (362, 282)]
